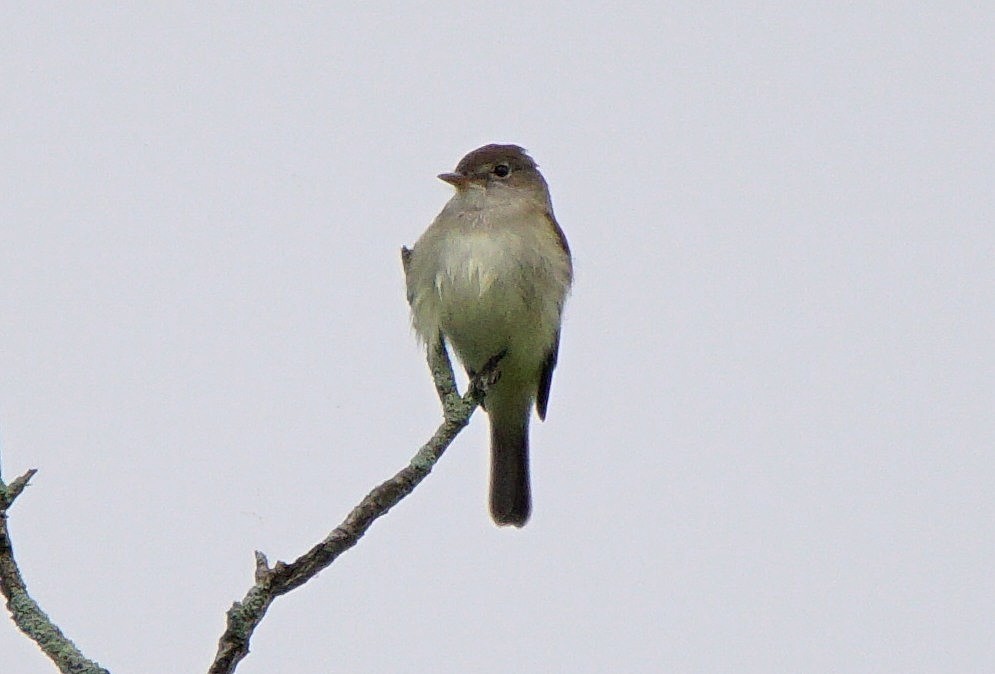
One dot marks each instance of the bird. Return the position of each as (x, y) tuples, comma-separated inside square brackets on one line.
[(490, 277)]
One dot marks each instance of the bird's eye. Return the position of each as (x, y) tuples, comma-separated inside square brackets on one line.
[(502, 170)]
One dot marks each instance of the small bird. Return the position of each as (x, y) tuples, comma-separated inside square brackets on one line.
[(490, 276)]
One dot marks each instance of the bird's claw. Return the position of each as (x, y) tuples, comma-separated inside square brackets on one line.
[(487, 376)]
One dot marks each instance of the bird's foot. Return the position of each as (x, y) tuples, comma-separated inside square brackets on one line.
[(487, 376)]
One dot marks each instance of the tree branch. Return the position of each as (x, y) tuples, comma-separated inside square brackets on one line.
[(271, 582), (26, 613)]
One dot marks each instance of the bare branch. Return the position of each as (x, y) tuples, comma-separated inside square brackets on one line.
[(11, 491), (244, 616), (270, 582), (26, 613)]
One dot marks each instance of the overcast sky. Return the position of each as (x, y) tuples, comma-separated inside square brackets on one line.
[(769, 442)]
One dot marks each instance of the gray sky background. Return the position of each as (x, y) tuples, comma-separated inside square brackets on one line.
[(769, 445)]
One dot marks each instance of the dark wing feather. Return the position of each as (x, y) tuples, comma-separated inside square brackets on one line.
[(406, 263), (546, 377)]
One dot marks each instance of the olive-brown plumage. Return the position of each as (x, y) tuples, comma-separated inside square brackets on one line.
[(490, 275)]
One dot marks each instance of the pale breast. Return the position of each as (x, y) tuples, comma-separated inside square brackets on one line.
[(491, 284)]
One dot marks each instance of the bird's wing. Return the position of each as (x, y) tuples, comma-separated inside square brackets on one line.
[(546, 377)]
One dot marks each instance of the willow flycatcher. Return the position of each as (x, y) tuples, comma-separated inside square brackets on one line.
[(490, 276)]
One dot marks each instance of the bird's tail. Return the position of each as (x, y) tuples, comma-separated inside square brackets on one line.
[(511, 500)]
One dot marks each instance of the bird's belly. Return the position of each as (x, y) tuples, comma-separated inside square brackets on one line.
[(487, 304)]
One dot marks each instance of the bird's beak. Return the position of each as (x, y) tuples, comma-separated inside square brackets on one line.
[(457, 180)]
